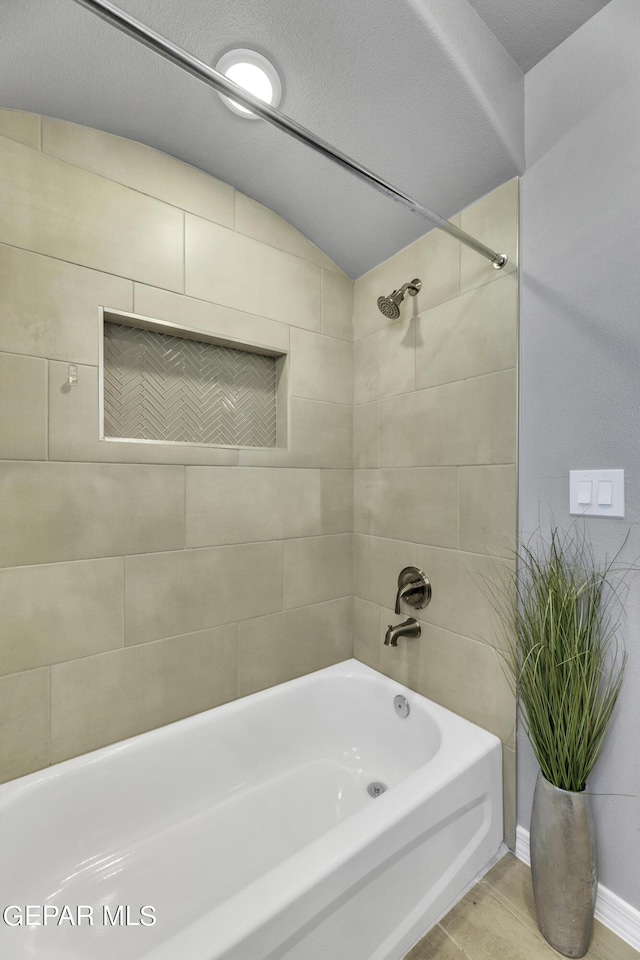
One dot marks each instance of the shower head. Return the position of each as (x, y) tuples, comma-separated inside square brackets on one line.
[(390, 306)]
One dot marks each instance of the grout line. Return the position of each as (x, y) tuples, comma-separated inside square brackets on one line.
[(179, 636), (460, 293), (458, 503), (39, 356), (184, 515), (84, 266), (334, 403), (184, 253), (48, 409), (251, 237), (464, 953), (170, 290), (50, 750), (283, 607), (437, 466), (124, 603), (435, 386)]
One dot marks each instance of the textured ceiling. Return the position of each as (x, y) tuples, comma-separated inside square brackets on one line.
[(530, 29), (420, 91)]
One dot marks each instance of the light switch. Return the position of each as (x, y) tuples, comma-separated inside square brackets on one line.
[(596, 493), (605, 493), (584, 492)]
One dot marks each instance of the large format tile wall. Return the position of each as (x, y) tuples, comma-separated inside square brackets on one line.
[(142, 583), (435, 452), (135, 593)]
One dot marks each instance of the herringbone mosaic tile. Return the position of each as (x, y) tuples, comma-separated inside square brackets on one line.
[(161, 387)]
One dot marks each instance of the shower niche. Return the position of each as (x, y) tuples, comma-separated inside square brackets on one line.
[(163, 383)]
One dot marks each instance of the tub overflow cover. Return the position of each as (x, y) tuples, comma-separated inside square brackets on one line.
[(401, 706)]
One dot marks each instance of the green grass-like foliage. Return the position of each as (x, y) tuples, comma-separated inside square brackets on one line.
[(562, 656)]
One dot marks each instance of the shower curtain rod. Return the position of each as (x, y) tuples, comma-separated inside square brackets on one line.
[(170, 51)]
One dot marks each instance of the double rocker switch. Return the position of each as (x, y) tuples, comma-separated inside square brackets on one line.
[(597, 493)]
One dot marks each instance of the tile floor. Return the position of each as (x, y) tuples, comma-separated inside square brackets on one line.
[(496, 921)]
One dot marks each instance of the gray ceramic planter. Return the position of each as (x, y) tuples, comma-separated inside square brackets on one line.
[(563, 867)]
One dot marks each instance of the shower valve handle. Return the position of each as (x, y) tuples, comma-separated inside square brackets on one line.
[(408, 591), (414, 588)]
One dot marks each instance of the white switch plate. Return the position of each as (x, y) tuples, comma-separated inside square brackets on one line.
[(599, 480)]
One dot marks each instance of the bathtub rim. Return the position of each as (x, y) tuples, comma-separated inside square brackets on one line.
[(344, 669)]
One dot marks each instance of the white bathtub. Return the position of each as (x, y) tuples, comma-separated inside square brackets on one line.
[(250, 831)]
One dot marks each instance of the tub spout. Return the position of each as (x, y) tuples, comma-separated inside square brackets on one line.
[(408, 628)]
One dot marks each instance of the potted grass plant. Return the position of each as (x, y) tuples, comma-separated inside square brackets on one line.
[(564, 663)]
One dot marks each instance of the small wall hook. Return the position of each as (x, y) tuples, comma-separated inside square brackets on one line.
[(72, 377)]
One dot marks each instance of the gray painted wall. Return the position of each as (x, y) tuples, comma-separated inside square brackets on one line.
[(580, 350)]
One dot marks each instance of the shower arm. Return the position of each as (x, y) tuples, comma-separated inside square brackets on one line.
[(201, 71)]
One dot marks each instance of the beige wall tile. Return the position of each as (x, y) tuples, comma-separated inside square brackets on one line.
[(488, 509), (466, 677), (384, 364), (281, 647), (365, 435), (494, 221), (23, 405), (102, 699), (210, 318), (50, 308), (320, 436), (316, 569), (366, 639), (419, 505), (58, 511), (461, 600), (140, 167), (240, 272), (321, 367), (337, 501), (24, 723), (257, 221), (74, 429), (470, 335), (106, 226), (509, 795), (438, 268), (59, 611), (24, 127), (462, 675), (246, 504), (337, 305), (432, 259), (376, 566), (168, 594), (472, 421)]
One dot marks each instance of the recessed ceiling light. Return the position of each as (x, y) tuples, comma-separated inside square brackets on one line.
[(253, 72)]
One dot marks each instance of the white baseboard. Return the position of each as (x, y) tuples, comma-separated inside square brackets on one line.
[(611, 910)]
